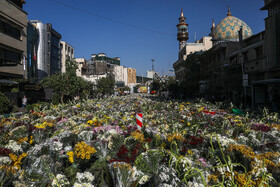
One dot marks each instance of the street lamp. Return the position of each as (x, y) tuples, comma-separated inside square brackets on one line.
[(153, 68)]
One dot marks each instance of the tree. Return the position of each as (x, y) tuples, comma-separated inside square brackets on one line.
[(172, 86), (5, 106), (155, 85), (105, 86), (68, 84)]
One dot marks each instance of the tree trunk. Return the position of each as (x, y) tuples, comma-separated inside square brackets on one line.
[(61, 98)]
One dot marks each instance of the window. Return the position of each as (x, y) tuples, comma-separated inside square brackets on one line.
[(10, 30), (9, 58), (233, 60), (259, 52), (245, 56)]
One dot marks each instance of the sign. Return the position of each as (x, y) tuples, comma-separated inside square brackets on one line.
[(245, 76), (139, 120), (245, 79)]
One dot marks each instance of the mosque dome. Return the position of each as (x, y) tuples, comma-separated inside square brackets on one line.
[(228, 28)]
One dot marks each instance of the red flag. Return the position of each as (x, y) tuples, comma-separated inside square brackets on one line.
[(34, 54)]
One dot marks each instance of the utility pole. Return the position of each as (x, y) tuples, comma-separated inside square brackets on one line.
[(153, 68)]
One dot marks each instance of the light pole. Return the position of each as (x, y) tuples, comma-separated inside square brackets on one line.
[(153, 68)]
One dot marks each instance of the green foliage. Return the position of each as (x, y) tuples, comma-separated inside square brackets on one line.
[(38, 106), (15, 90), (55, 99), (105, 86), (126, 88), (4, 104), (68, 85), (156, 85), (172, 86), (148, 162)]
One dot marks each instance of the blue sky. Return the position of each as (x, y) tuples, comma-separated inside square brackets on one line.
[(149, 29)]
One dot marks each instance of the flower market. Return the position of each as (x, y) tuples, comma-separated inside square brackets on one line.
[(97, 143)]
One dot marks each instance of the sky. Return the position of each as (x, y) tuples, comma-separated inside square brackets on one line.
[(138, 31)]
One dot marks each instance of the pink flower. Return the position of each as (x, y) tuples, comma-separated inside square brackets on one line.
[(203, 161)]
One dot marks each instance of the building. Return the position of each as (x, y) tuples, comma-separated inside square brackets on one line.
[(268, 89), (32, 47), (100, 66), (131, 77), (227, 29), (48, 54), (13, 39), (81, 63), (185, 48), (66, 51), (120, 79), (150, 74)]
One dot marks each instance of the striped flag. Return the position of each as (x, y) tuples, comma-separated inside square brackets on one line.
[(139, 120)]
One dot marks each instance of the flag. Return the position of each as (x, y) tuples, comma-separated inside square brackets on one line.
[(34, 54)]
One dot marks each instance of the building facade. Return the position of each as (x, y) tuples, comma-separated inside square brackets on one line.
[(185, 48), (131, 76), (66, 51), (13, 39), (48, 53)]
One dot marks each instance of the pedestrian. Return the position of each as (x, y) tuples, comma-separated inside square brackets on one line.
[(24, 102)]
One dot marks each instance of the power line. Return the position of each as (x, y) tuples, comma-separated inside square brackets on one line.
[(112, 20)]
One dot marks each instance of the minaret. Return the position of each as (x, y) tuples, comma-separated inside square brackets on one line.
[(182, 34), (212, 28)]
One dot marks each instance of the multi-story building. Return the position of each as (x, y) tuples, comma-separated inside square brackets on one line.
[(67, 51), (48, 54), (119, 75), (13, 40), (150, 74), (131, 76), (81, 63), (267, 90)]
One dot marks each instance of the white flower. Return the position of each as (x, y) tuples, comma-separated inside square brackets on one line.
[(68, 148), (78, 185), (89, 176), (85, 177), (163, 177), (14, 146), (144, 179), (86, 135), (57, 146), (5, 160), (60, 180)]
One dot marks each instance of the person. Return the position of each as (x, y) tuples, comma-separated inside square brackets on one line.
[(24, 102)]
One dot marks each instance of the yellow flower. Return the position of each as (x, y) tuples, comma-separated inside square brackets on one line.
[(201, 109), (71, 156), (20, 140), (78, 105), (83, 150), (188, 123), (190, 152), (138, 136), (31, 140), (90, 122)]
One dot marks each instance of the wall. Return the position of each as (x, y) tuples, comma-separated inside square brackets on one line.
[(16, 17)]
